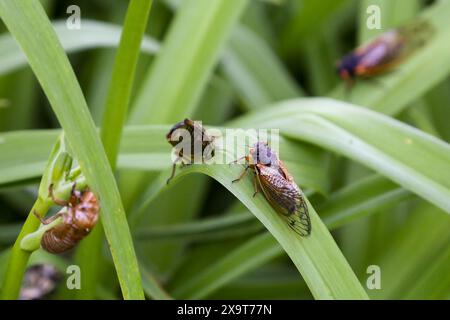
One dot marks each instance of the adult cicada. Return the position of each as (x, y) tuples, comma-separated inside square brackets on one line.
[(191, 144), (383, 53), (278, 187)]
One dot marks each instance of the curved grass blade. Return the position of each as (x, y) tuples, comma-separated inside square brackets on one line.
[(317, 257)]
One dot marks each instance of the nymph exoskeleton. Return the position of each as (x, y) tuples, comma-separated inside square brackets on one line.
[(200, 144), (79, 216)]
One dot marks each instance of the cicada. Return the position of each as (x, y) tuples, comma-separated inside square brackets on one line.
[(383, 53), (80, 215), (190, 141), (278, 186), (39, 281)]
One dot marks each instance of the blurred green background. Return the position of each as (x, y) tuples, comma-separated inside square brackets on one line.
[(385, 204)]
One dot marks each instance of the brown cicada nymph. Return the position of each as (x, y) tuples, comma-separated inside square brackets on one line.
[(80, 215), (190, 142), (278, 187)]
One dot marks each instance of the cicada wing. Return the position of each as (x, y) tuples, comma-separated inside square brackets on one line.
[(286, 198), (279, 191), (382, 54), (300, 222)]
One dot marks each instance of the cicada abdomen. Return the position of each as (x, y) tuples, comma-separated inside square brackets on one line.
[(79, 216)]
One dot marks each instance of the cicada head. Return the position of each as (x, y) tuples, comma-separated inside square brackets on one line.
[(262, 154), (347, 65), (172, 136)]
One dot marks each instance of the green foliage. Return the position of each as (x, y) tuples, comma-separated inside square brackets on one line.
[(373, 161)]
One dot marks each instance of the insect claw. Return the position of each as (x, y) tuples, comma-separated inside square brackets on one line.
[(59, 202), (174, 168), (42, 220), (237, 160), (242, 175)]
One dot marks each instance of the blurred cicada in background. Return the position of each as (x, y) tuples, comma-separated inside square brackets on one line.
[(40, 280), (383, 53)]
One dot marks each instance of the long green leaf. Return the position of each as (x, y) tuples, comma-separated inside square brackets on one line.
[(255, 72), (115, 112), (317, 257), (24, 153), (174, 86), (93, 34)]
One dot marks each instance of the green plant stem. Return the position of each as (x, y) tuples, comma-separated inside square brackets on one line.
[(19, 258)]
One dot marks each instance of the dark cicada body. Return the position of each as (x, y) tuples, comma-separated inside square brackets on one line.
[(383, 53), (278, 186), (191, 143), (80, 215), (39, 281)]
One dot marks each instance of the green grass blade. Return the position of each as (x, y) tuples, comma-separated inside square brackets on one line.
[(360, 198), (212, 228), (233, 265), (119, 94), (421, 242), (392, 13), (93, 34), (260, 79), (317, 257), (307, 19), (226, 269), (24, 19), (173, 87), (115, 113), (24, 153), (151, 286), (434, 281)]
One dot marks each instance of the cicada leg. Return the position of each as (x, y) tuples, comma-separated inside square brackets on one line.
[(237, 160), (255, 185), (49, 220), (377, 82), (59, 202), (242, 175), (174, 169), (349, 83)]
